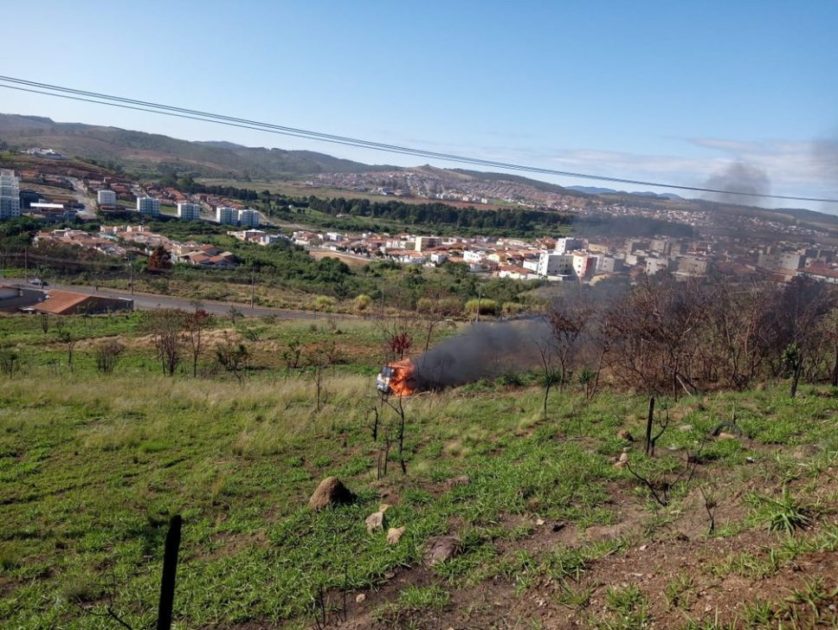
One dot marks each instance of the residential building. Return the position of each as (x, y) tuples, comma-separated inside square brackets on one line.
[(551, 264), (226, 215), (425, 242), (584, 265), (106, 197), (9, 195), (781, 260), (69, 303), (189, 211), (248, 217), (660, 246), (656, 265), (474, 255), (608, 264), (692, 266), (148, 206), (567, 244)]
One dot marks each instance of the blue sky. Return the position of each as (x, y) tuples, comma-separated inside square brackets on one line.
[(667, 91)]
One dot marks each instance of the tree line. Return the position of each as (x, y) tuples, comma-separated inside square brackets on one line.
[(668, 337)]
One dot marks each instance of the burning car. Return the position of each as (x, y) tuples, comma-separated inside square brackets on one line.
[(397, 378)]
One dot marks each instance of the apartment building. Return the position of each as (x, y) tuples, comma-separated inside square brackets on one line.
[(189, 211), (148, 206), (9, 195), (226, 215)]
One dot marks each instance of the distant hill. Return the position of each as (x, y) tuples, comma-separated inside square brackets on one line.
[(146, 152), (596, 190), (154, 154)]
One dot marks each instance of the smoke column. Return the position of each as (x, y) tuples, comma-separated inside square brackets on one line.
[(826, 162), (740, 177), (485, 350)]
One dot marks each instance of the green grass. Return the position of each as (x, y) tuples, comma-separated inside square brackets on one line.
[(93, 466)]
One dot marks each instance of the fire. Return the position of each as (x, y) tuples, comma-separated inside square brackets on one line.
[(397, 378)]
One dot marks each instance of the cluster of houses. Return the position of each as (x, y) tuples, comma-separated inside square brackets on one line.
[(583, 260), (118, 241)]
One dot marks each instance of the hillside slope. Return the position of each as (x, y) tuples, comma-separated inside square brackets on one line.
[(144, 151)]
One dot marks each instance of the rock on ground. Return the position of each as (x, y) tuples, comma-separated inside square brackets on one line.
[(330, 492), (438, 550), (394, 535), (375, 522)]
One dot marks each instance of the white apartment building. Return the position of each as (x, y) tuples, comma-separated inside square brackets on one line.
[(584, 265), (9, 195), (656, 265), (424, 242), (565, 245), (148, 206), (474, 255), (226, 215), (552, 264), (189, 211), (248, 217), (106, 197)]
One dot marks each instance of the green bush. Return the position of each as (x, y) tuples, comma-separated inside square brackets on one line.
[(483, 306)]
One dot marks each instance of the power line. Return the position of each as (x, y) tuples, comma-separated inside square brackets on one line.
[(100, 98)]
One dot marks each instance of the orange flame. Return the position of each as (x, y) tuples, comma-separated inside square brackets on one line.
[(401, 382)]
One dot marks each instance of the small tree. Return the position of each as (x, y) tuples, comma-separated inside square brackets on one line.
[(166, 327), (482, 306), (159, 260), (362, 303), (400, 344), (45, 322), (321, 356), (550, 374), (107, 355), (292, 354), (195, 324), (324, 303), (9, 361), (69, 341), (232, 356)]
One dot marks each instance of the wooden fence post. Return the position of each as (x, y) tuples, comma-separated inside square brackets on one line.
[(167, 584)]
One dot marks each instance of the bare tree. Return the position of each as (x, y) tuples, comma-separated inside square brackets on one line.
[(195, 324), (550, 374), (398, 408), (321, 356), (655, 334), (568, 320), (107, 355), (166, 328), (68, 339)]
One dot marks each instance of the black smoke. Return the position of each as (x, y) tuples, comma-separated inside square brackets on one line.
[(739, 177), (826, 160), (484, 350)]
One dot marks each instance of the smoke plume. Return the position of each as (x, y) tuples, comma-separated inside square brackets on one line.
[(485, 350), (826, 159), (742, 178)]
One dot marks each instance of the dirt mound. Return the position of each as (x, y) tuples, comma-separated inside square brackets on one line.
[(329, 493)]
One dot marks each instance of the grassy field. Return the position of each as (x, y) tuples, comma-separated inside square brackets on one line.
[(551, 532)]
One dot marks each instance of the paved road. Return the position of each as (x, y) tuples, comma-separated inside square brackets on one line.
[(150, 301)]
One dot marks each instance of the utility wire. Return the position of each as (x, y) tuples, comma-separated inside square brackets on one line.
[(100, 98)]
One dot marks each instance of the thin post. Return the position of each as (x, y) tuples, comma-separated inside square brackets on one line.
[(252, 289), (167, 584), (649, 420)]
